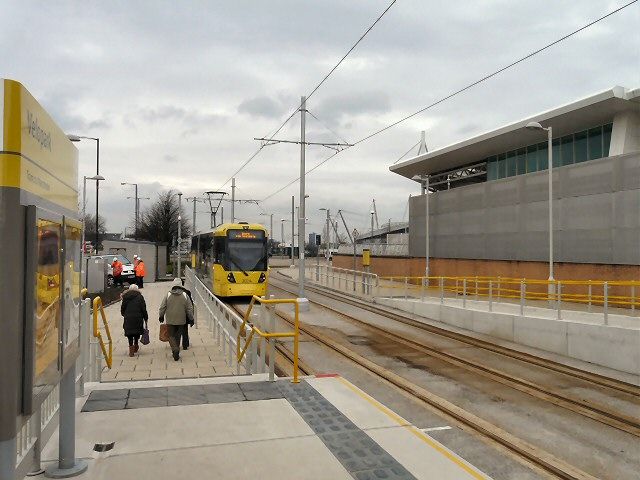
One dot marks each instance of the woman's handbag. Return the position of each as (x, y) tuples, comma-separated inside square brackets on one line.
[(164, 332), (145, 340)]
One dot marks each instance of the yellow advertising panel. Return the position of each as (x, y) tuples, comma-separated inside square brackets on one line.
[(37, 156)]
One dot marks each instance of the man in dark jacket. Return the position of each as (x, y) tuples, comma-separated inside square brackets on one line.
[(185, 332), (134, 311), (177, 310)]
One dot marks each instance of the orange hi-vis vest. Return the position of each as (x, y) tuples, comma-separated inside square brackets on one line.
[(140, 269)]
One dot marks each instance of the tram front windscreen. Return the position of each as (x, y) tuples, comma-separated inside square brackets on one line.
[(246, 250)]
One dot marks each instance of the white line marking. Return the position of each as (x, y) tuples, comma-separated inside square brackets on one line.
[(435, 429)]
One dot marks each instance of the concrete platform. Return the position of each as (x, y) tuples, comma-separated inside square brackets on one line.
[(154, 361), (245, 427)]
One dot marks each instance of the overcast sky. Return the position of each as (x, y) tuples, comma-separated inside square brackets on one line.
[(177, 91)]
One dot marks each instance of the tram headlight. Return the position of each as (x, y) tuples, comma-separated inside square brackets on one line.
[(262, 278), (231, 278)]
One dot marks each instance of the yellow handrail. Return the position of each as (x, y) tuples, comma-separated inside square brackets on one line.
[(97, 307), (255, 330), (506, 287)]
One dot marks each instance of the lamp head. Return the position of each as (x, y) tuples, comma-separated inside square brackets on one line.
[(95, 177), (534, 126), (74, 138)]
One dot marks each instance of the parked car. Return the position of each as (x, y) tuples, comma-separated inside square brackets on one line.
[(128, 273)]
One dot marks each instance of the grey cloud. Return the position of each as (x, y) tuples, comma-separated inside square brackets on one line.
[(262, 106), (337, 107)]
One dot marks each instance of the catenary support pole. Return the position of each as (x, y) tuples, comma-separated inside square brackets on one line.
[(426, 223), (301, 229), (233, 200), (327, 250), (550, 167), (293, 227), (97, 187)]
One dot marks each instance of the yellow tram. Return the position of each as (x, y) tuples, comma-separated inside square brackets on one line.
[(234, 258)]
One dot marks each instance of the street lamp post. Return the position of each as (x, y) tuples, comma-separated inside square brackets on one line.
[(136, 207), (77, 138), (537, 126), (282, 220), (179, 234), (372, 214), (97, 178), (270, 215)]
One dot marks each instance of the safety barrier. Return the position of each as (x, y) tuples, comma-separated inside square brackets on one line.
[(223, 322), (98, 309), (554, 294), (356, 281), (269, 338)]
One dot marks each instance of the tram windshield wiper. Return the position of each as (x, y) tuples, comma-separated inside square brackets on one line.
[(235, 262)]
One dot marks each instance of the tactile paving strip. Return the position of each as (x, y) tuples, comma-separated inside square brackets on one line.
[(101, 400), (360, 455)]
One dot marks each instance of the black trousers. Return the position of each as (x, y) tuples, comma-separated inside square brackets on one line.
[(140, 282), (175, 332), (117, 280), (133, 339)]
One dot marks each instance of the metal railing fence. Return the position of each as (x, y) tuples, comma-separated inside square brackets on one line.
[(270, 336), (556, 294), (225, 324), (358, 282)]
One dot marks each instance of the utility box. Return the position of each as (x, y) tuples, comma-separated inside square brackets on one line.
[(97, 273), (41, 238), (366, 257)]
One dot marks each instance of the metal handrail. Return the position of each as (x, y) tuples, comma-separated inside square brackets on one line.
[(506, 287), (240, 352), (97, 307)]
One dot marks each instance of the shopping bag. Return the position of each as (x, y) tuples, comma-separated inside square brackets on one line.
[(145, 337), (164, 332)]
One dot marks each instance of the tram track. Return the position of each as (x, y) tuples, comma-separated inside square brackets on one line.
[(589, 409), (537, 458)]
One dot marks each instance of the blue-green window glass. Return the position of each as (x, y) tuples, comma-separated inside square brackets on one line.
[(555, 151), (595, 143), (606, 139), (532, 158), (492, 168), (511, 164), (521, 156), (502, 165), (566, 150), (543, 156), (580, 147)]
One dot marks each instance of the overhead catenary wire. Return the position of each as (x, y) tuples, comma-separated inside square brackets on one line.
[(315, 89), (405, 153), (459, 91), (338, 136)]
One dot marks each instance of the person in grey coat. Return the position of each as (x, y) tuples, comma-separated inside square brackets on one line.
[(177, 310)]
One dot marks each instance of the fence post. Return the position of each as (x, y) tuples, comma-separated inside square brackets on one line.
[(464, 293), (476, 288), (522, 291), (441, 282), (406, 287), (499, 287), (490, 295), (589, 295), (422, 288), (272, 341), (559, 298), (633, 299), (606, 303)]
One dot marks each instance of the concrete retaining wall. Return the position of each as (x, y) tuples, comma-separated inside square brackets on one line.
[(605, 345)]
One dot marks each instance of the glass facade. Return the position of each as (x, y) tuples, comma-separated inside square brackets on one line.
[(577, 147)]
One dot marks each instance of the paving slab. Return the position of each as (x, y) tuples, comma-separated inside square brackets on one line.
[(155, 361)]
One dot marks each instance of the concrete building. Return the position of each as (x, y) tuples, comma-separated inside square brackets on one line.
[(488, 195)]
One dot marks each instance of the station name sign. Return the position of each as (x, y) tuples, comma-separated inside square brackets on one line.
[(246, 234), (42, 137)]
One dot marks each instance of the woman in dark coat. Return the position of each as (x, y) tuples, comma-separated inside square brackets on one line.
[(134, 311)]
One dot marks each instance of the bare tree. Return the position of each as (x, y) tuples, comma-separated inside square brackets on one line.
[(90, 228), (159, 222)]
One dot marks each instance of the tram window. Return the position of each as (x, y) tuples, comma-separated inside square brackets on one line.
[(246, 255), (218, 250), (48, 314)]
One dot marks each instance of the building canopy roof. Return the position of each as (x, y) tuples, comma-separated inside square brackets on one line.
[(591, 111)]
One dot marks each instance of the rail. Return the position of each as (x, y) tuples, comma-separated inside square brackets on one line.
[(266, 336), (98, 309), (549, 293), (358, 281)]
